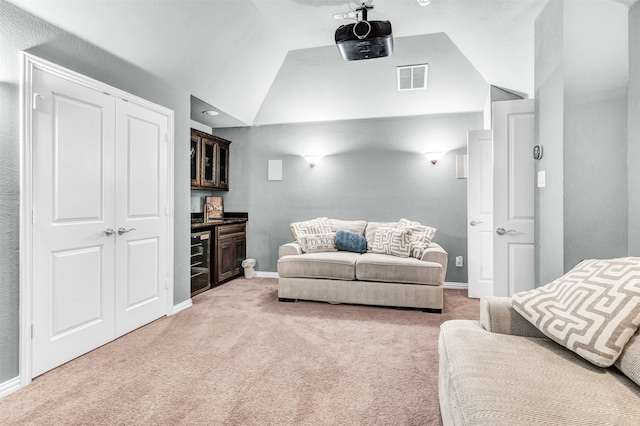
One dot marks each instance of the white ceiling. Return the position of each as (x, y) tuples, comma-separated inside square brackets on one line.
[(240, 56)]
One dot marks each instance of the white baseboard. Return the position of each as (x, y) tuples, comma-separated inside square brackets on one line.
[(182, 306), (266, 274), (10, 386), (456, 286)]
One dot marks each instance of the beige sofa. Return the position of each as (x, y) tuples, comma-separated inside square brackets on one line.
[(368, 278), (503, 371)]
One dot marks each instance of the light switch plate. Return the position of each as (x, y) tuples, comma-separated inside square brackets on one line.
[(542, 179)]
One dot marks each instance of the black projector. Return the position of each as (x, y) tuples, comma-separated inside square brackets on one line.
[(364, 40)]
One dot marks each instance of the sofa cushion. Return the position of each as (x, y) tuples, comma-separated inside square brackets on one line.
[(393, 269), (593, 310), (317, 243), (370, 231), (314, 226), (394, 241), (336, 265), (355, 226), (421, 236), (495, 379), (350, 241), (629, 360)]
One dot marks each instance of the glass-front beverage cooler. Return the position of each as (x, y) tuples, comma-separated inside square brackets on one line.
[(200, 268)]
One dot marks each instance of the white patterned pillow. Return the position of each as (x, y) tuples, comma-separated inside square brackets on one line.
[(421, 236), (394, 241), (370, 231), (313, 226), (593, 310), (316, 243)]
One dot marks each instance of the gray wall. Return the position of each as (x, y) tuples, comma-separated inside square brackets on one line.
[(20, 31), (549, 80), (581, 81), (372, 170), (634, 131)]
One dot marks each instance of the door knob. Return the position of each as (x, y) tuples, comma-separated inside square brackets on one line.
[(109, 232), (122, 231), (474, 223), (502, 231)]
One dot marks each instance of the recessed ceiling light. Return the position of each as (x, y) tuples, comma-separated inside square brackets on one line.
[(210, 112), (424, 2)]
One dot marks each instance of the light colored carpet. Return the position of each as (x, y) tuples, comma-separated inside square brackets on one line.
[(240, 357)]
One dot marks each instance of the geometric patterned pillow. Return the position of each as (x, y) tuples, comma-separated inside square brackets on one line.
[(313, 226), (316, 243), (393, 241), (370, 231), (421, 236), (593, 310)]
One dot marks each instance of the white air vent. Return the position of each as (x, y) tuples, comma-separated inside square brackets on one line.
[(412, 77)]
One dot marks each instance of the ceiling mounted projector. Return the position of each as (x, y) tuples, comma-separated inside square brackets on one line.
[(364, 39)]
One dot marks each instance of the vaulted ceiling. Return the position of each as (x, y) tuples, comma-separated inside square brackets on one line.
[(275, 61)]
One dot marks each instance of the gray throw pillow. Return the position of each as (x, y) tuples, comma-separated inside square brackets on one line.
[(350, 241)]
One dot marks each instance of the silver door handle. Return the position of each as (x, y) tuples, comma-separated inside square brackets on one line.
[(502, 231), (474, 223), (122, 231), (109, 232)]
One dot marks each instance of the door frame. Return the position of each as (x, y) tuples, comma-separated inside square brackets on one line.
[(28, 63)]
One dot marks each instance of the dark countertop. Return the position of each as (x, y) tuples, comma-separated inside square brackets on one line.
[(216, 222), (197, 220)]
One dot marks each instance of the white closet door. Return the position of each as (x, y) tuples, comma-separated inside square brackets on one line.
[(101, 192), (141, 217), (73, 199)]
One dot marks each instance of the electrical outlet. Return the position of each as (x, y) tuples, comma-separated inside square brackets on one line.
[(459, 262)]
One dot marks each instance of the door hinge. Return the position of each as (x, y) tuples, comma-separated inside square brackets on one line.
[(33, 330), (167, 211), (35, 99), (166, 138), (33, 216)]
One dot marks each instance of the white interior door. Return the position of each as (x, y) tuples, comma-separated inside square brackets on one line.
[(480, 212), (73, 198), (100, 237), (513, 190), (141, 218)]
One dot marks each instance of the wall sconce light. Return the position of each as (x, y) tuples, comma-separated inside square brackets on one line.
[(312, 159), (433, 156)]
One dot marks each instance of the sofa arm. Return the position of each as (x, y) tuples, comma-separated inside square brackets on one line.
[(289, 249), (497, 316), (435, 253)]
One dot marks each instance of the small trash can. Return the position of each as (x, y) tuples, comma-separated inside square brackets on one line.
[(248, 265)]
